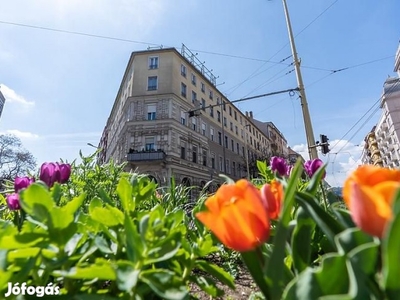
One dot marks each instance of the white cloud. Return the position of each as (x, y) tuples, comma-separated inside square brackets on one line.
[(13, 97), (22, 134), (343, 158)]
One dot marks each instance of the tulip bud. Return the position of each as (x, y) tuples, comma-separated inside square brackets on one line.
[(312, 166), (22, 183), (279, 165), (50, 173), (13, 201), (65, 170)]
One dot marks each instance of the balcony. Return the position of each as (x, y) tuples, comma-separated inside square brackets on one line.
[(153, 155)]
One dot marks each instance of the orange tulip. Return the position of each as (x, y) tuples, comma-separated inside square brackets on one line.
[(272, 196), (236, 215), (369, 193)]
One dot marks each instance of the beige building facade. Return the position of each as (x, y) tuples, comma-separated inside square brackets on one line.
[(382, 145), (170, 120)]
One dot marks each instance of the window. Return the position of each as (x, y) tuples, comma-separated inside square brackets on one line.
[(212, 134), (152, 83), (212, 112), (183, 118), (183, 152), (218, 116), (235, 114), (231, 126), (237, 148), (183, 70), (151, 112), (203, 129), (218, 102), (225, 121), (153, 62), (224, 105), (211, 94), (193, 79), (234, 168), (230, 111), (149, 143), (204, 158), (203, 87), (241, 120), (194, 154), (220, 164), (220, 138), (226, 142), (213, 162), (232, 145), (183, 89), (194, 121), (241, 133), (227, 166), (194, 97), (203, 104), (236, 130)]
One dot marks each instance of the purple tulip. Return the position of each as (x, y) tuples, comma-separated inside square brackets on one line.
[(279, 165), (65, 170), (312, 166), (13, 201), (22, 183), (50, 173)]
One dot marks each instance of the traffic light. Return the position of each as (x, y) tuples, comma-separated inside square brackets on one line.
[(324, 144)]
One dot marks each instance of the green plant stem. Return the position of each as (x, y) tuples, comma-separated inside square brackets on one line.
[(325, 200)]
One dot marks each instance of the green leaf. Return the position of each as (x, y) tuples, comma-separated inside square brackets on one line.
[(253, 264), (165, 249), (56, 193), (390, 253), (124, 190), (275, 267), (325, 221), (262, 167), (72, 206), (216, 272), (109, 216), (37, 202), (164, 284), (102, 271), (127, 275), (312, 186), (95, 202), (134, 244), (331, 278), (301, 240)]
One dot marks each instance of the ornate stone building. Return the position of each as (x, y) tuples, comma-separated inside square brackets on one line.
[(170, 120)]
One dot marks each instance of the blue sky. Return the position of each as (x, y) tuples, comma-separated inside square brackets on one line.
[(60, 87)]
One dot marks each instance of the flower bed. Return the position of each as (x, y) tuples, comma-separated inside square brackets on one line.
[(95, 232)]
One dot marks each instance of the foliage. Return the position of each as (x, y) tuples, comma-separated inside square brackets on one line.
[(107, 234), (97, 235)]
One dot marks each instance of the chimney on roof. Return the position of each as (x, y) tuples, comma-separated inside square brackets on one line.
[(247, 114), (251, 114)]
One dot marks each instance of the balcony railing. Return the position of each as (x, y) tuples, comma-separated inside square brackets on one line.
[(146, 156)]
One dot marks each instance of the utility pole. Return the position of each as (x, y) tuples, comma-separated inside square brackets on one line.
[(312, 151)]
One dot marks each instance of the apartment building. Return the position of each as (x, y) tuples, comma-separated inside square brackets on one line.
[(170, 120), (371, 154), (382, 143)]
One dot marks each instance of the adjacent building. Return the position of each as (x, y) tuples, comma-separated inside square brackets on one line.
[(382, 143), (170, 120)]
